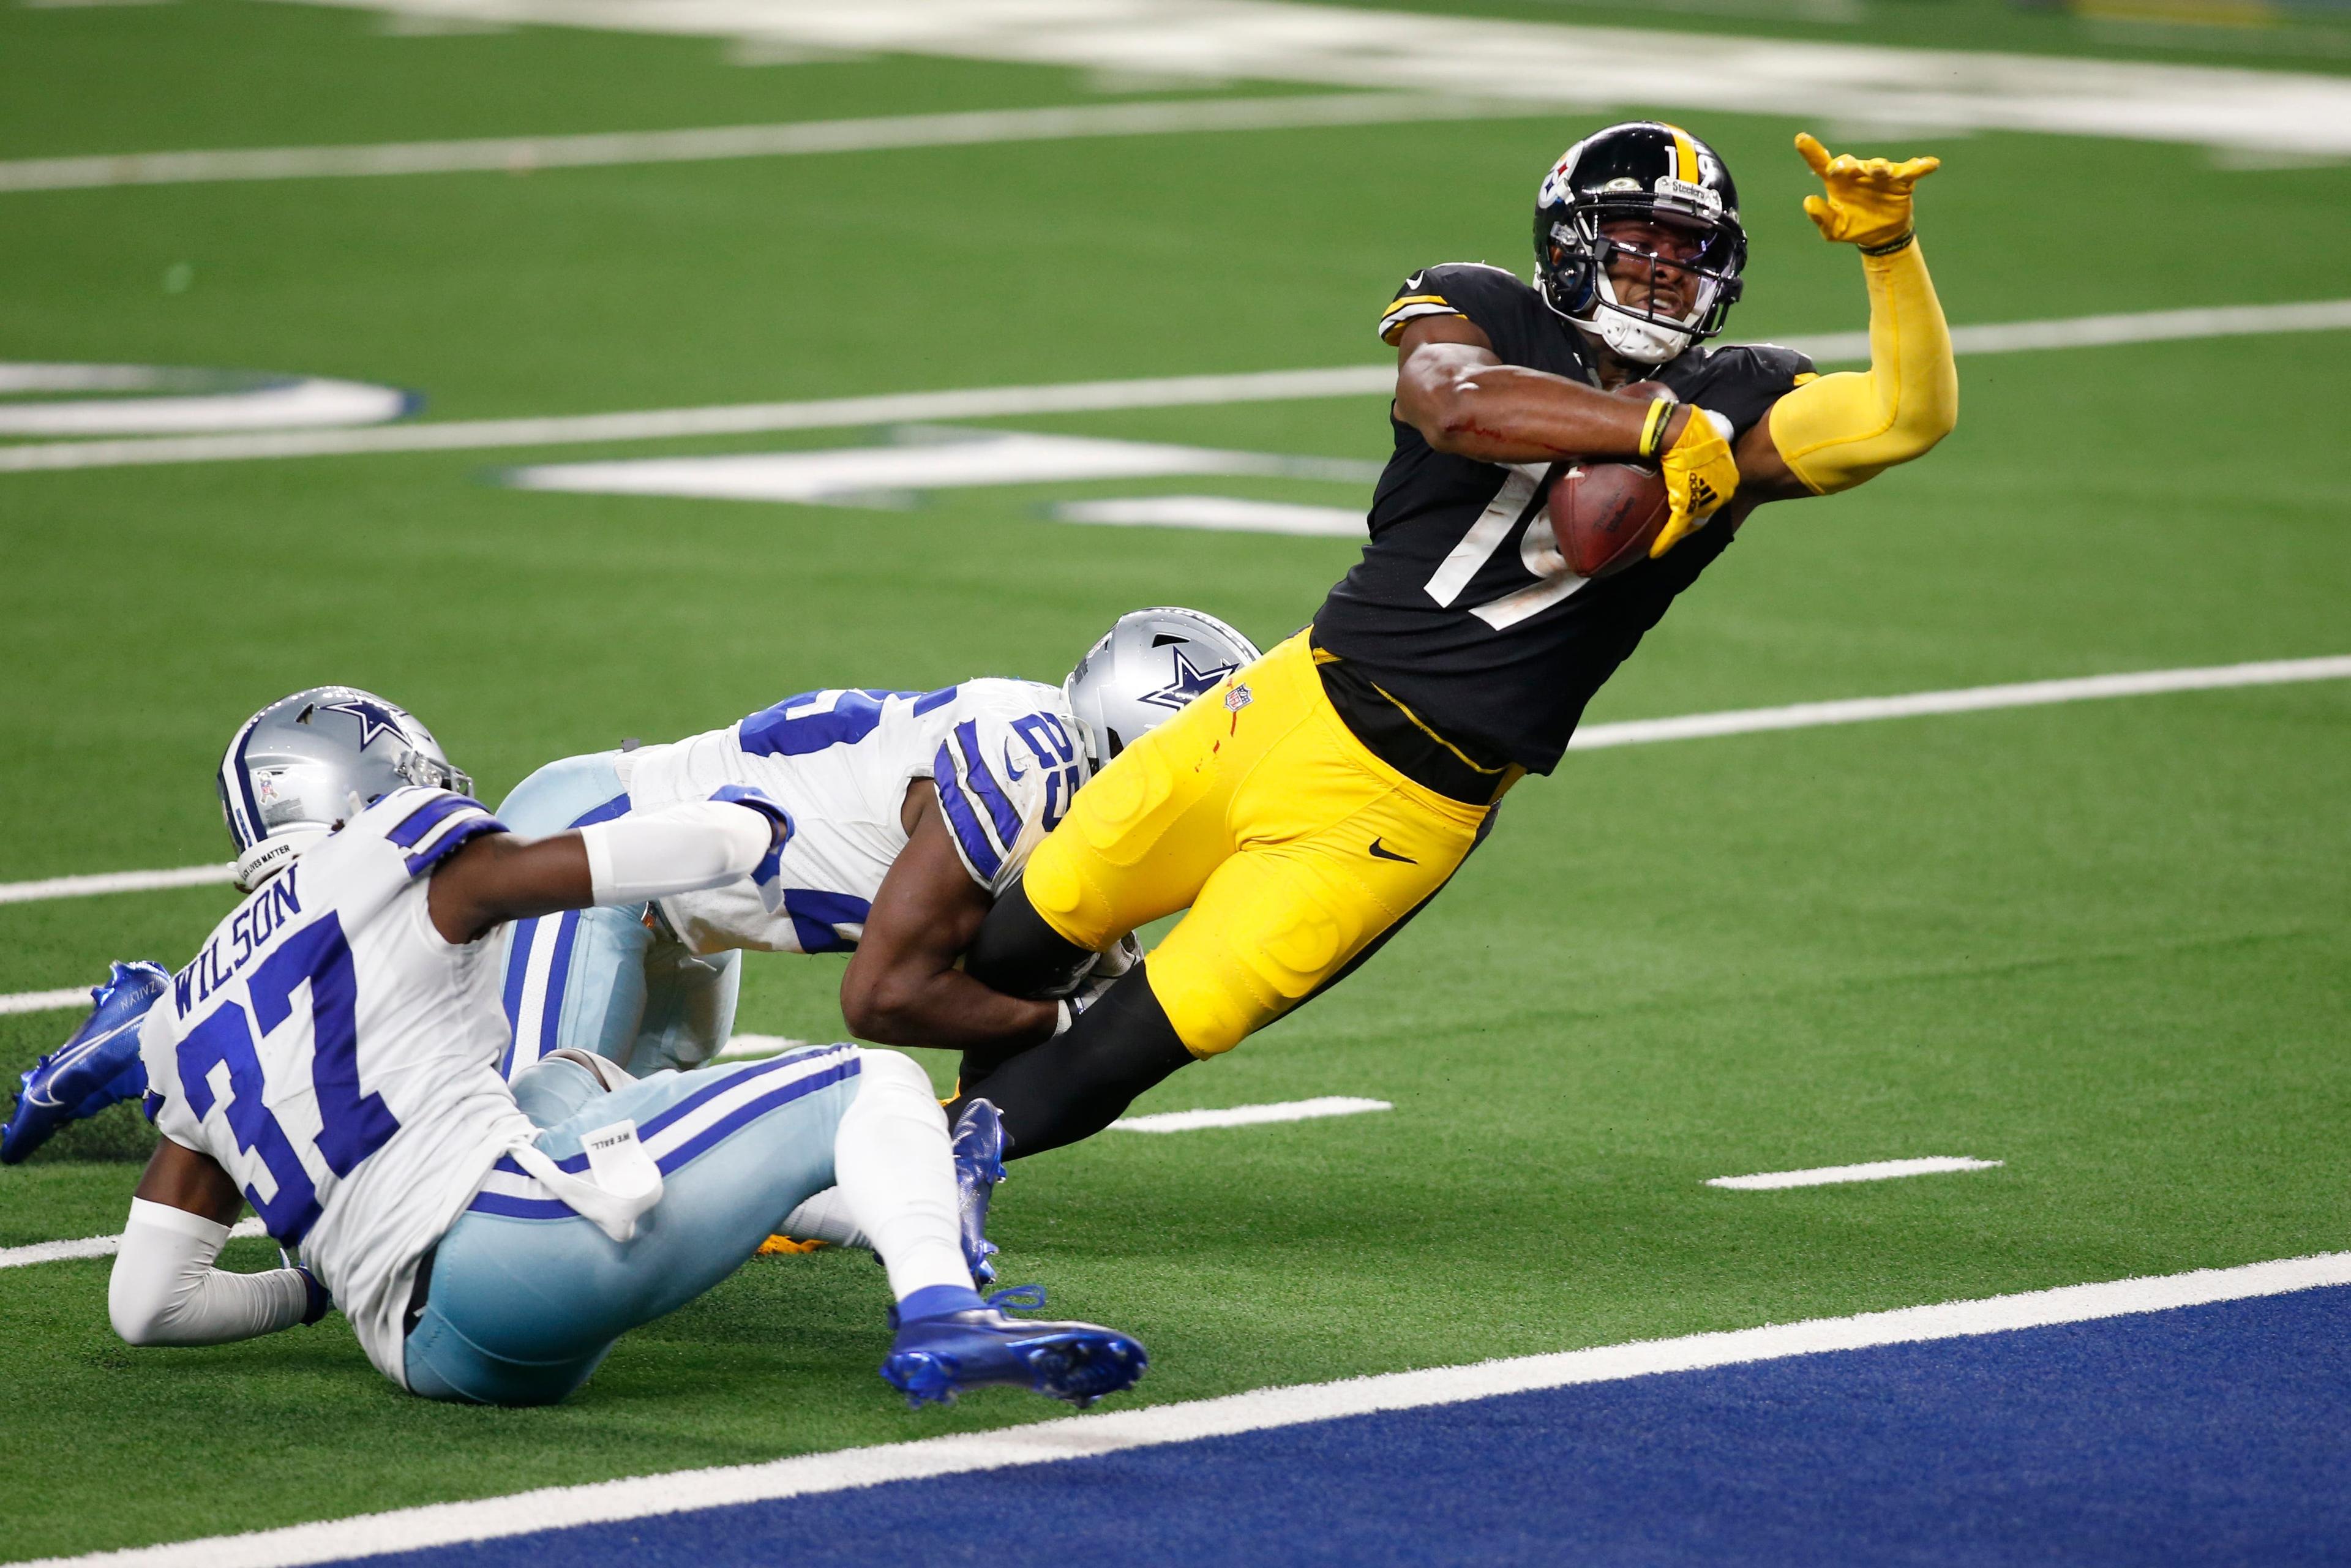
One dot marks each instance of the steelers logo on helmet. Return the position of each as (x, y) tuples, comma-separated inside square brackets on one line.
[(1650, 173)]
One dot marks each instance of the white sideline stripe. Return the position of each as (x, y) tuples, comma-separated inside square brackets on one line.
[(1875, 1170), (1968, 699), (1067, 397), (1590, 737), (1088, 1437), (523, 154), (116, 881), (92, 1246), (46, 1001), (1249, 1115)]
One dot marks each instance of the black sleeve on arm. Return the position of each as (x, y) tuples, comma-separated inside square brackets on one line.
[(1077, 1084), (1018, 954)]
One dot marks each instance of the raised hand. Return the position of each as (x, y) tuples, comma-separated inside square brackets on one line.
[(1867, 200)]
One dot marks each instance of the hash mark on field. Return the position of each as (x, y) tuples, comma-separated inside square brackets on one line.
[(1250, 1115), (1876, 1170), (92, 1246)]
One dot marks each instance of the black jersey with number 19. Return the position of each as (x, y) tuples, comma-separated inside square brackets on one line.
[(1462, 608)]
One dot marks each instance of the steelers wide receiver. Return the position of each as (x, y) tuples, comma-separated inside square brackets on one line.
[(1312, 802)]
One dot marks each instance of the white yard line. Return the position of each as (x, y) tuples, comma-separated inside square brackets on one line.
[(92, 1246), (1590, 737), (1089, 1437), (1068, 397), (1249, 1115), (1876, 1170), (523, 154), (205, 875), (1583, 71), (46, 1001), (1967, 699)]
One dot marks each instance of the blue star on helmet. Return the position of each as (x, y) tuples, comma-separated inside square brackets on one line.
[(1190, 682), (375, 719)]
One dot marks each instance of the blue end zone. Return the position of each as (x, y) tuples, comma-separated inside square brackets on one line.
[(2211, 1435)]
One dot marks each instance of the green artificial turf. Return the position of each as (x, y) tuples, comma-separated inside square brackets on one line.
[(2105, 944)]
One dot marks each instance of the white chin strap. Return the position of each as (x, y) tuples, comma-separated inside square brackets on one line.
[(1644, 342), (275, 853)]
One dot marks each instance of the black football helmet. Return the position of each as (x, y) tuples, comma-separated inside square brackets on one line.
[(1649, 170)]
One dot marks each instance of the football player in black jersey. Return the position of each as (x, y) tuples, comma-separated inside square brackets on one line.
[(1312, 801)]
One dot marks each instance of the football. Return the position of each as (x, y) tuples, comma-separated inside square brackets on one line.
[(1606, 515)]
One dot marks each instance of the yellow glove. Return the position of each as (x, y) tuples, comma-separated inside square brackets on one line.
[(1868, 200), (1701, 474)]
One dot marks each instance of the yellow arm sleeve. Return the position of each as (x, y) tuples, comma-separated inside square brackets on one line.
[(1837, 431)]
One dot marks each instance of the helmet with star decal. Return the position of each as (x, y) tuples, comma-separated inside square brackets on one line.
[(305, 764), (1146, 669)]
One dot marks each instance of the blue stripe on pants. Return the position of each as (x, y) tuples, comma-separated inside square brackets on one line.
[(524, 1307)]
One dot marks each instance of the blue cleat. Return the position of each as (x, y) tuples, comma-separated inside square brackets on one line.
[(978, 1166), (98, 1067), (935, 1359)]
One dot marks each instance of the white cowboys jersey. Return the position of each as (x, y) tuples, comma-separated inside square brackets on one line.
[(1003, 755), (340, 1058)]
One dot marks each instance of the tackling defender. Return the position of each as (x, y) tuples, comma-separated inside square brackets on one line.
[(1319, 798), (331, 1056), (915, 809)]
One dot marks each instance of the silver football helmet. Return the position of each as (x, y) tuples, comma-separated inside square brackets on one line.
[(1147, 666), (306, 764)]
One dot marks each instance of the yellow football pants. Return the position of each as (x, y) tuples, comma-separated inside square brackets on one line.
[(1258, 810)]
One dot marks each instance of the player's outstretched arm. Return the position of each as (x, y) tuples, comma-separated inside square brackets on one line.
[(644, 855), (164, 1288), (902, 987), (1839, 431)]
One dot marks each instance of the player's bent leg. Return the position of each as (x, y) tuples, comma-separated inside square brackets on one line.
[(1022, 953), (561, 1084), (1141, 838), (524, 1297), (689, 1007), (1273, 926), (1078, 1082)]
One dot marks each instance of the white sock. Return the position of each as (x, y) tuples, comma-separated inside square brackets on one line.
[(896, 1167), (826, 1218)]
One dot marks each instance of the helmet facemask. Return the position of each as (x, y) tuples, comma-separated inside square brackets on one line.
[(1581, 280)]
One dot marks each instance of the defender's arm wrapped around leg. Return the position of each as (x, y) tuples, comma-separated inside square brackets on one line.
[(1837, 431)]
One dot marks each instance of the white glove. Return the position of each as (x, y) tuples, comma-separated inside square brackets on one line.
[(1107, 971)]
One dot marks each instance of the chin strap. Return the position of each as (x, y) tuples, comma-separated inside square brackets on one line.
[(1837, 431), (1645, 342)]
